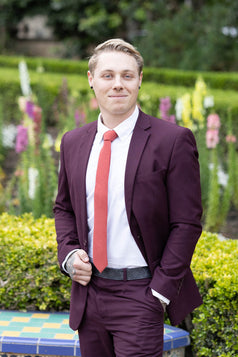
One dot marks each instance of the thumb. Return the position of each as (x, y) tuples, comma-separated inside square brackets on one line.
[(83, 255)]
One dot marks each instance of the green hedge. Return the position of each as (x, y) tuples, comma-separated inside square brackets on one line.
[(216, 80), (29, 275), (30, 280), (227, 80), (215, 266), (46, 64)]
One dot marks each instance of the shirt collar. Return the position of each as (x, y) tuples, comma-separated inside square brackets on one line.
[(123, 130)]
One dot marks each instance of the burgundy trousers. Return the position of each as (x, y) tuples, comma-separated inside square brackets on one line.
[(121, 319)]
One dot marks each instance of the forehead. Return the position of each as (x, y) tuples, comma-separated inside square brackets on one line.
[(116, 61)]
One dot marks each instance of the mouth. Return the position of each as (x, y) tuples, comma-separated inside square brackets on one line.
[(118, 96)]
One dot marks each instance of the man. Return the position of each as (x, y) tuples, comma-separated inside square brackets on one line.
[(153, 216)]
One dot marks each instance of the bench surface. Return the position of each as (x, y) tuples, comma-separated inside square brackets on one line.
[(50, 334)]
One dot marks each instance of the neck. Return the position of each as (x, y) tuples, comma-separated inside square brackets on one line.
[(111, 121)]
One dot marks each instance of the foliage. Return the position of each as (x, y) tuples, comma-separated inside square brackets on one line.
[(78, 23), (62, 100), (196, 40), (177, 33), (30, 280), (33, 185), (219, 176), (41, 64), (216, 322), (47, 82), (186, 78), (223, 190)]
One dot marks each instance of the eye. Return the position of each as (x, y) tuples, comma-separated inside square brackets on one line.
[(128, 76), (107, 76)]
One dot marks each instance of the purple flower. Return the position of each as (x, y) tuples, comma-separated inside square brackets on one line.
[(80, 117), (29, 109), (21, 139)]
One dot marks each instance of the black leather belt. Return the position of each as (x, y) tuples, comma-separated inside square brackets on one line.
[(123, 274)]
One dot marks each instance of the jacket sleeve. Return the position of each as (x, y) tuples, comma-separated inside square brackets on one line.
[(65, 222), (185, 210)]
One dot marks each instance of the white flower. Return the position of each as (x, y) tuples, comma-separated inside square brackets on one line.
[(179, 108), (24, 79), (208, 102), (32, 178), (222, 176), (9, 133)]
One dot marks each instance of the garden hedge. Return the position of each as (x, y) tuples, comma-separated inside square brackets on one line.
[(30, 280), (219, 80)]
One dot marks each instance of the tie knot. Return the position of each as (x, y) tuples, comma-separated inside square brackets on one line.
[(110, 135)]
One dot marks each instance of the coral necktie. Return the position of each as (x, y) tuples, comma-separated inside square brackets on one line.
[(101, 202)]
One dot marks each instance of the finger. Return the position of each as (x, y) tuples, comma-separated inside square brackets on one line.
[(83, 280), (82, 267), (80, 272)]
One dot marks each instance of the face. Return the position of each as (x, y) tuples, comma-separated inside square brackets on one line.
[(116, 83)]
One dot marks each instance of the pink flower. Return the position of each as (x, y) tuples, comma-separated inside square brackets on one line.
[(212, 138), (37, 114), (93, 104), (80, 117), (164, 108), (231, 139), (213, 121), (21, 139)]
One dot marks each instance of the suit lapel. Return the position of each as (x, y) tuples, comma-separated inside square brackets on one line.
[(139, 139), (84, 152)]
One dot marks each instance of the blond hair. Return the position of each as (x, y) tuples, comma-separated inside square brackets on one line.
[(119, 45)]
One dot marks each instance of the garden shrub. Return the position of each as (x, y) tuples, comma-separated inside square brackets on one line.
[(46, 64), (219, 80), (30, 279), (29, 275), (215, 267)]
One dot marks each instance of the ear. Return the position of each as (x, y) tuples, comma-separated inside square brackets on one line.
[(90, 79), (141, 76)]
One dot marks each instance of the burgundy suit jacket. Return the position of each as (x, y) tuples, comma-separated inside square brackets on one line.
[(163, 205)]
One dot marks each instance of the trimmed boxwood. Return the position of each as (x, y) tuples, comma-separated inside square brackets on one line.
[(29, 275), (215, 266), (175, 77), (30, 280)]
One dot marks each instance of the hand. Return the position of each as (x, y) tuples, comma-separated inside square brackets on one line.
[(79, 268)]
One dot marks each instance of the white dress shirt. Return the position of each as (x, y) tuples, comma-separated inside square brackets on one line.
[(122, 250)]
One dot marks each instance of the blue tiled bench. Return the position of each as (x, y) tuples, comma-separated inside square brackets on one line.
[(35, 333)]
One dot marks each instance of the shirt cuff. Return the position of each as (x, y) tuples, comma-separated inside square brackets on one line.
[(67, 257), (161, 297)]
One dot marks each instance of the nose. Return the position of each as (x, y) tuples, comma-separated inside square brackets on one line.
[(117, 83)]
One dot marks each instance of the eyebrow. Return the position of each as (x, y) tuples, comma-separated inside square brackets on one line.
[(111, 70)]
